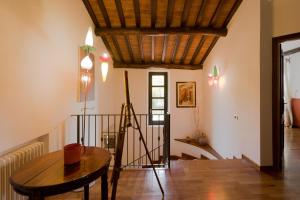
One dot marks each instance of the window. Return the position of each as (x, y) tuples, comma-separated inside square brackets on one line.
[(158, 97)]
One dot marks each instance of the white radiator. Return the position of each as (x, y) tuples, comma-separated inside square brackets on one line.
[(13, 161)]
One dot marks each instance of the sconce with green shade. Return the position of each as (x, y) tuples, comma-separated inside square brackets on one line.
[(213, 76)]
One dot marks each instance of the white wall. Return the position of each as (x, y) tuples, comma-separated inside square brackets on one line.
[(286, 17), (39, 68), (238, 57)]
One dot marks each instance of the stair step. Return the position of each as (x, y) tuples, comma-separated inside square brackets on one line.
[(174, 157), (185, 156), (203, 157)]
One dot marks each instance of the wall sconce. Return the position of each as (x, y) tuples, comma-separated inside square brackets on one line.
[(104, 66), (86, 62), (213, 76)]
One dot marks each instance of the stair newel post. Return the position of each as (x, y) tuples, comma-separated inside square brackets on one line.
[(78, 129), (167, 139)]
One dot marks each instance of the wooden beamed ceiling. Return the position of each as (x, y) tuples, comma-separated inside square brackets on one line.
[(173, 34)]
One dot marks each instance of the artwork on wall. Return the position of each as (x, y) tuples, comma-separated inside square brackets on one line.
[(186, 94), (90, 74)]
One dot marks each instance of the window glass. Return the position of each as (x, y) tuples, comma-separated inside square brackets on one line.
[(158, 80), (158, 91), (158, 103), (158, 97), (158, 115)]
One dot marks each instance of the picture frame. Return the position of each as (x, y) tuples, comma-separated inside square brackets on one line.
[(186, 94)]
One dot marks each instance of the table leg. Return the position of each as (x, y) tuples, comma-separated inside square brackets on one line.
[(104, 186), (86, 192)]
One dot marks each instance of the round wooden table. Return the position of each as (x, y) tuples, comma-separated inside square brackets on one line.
[(48, 176)]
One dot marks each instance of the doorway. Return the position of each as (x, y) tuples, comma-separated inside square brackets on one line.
[(283, 96)]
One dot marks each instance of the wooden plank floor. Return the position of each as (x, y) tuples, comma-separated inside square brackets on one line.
[(211, 179)]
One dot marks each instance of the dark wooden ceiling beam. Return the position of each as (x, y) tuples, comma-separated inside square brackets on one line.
[(217, 12), (196, 52), (201, 12), (104, 13), (187, 48), (232, 11), (209, 50), (163, 57), (136, 5), (120, 12), (292, 51), (170, 12), (108, 47), (116, 44), (91, 12), (129, 48), (220, 32), (153, 13), (140, 44), (177, 42), (156, 65), (153, 48), (186, 11)]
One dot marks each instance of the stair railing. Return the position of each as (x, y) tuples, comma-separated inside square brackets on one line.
[(101, 130)]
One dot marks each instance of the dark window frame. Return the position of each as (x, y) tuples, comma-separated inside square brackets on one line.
[(150, 97)]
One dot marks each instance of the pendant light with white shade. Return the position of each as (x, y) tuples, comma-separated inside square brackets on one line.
[(86, 62)]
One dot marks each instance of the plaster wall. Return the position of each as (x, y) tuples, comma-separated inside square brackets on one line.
[(285, 17)]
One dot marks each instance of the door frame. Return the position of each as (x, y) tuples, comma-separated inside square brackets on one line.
[(277, 98)]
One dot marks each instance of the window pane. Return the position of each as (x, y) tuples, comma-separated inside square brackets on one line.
[(158, 80), (158, 115), (158, 92), (157, 103)]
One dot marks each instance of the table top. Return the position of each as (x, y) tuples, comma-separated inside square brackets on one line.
[(49, 171)]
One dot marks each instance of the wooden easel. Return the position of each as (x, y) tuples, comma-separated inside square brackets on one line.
[(125, 122)]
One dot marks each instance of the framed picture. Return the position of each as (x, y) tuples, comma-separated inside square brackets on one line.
[(186, 94)]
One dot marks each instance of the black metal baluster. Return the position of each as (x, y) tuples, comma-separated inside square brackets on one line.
[(140, 150), (78, 129), (108, 132), (152, 138), (82, 126), (115, 133), (133, 151), (95, 132), (127, 145), (89, 127), (146, 135), (102, 145), (158, 140), (168, 145)]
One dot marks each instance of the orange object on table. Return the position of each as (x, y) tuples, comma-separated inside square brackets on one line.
[(72, 153)]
